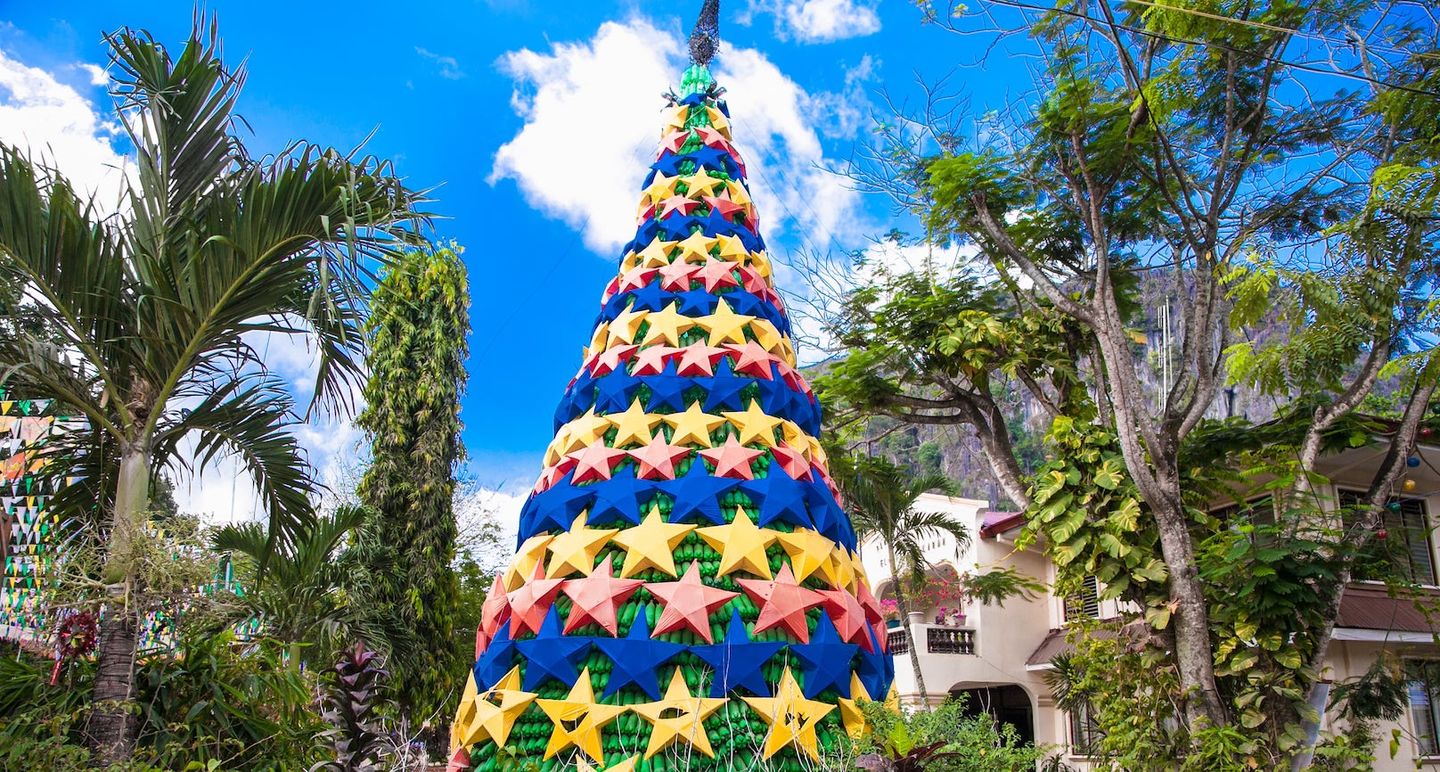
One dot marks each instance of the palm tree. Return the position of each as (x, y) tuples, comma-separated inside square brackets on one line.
[(302, 598), (151, 313), (880, 497)]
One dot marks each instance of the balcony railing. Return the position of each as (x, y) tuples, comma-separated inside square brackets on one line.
[(950, 640), (938, 640)]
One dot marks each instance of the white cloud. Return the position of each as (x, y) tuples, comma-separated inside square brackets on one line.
[(818, 21), (449, 65), (591, 125), (59, 126)]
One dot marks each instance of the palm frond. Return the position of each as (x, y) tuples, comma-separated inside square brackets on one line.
[(249, 419)]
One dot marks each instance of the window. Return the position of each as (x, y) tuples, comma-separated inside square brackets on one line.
[(1423, 676), (1405, 551), (1085, 731), (1085, 603)]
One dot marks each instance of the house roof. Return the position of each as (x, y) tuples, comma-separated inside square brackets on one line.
[(994, 523), (1055, 644), (1370, 607)]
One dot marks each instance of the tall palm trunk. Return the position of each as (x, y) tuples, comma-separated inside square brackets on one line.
[(111, 724), (904, 604)]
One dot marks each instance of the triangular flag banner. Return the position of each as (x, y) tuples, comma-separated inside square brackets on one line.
[(684, 571)]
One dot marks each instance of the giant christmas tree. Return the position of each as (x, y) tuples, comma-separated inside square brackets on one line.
[(686, 593)]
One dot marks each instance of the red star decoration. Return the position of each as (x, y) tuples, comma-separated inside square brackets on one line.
[(493, 613), (723, 205), (699, 359), (635, 278), (688, 603), (530, 602), (610, 290), (552, 474), (676, 276), (754, 282), (657, 459), (782, 603), (597, 597), (651, 361), (645, 213), (793, 462), (751, 358), (869, 603), (674, 141), (732, 459), (716, 274), (595, 462), (610, 358), (713, 138), (848, 616), (677, 203)]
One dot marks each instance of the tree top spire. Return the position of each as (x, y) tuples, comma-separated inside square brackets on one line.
[(705, 38)]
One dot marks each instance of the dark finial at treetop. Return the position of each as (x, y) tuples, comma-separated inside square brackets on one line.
[(705, 38)]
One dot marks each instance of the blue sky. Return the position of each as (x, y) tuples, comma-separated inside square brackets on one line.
[(532, 118)]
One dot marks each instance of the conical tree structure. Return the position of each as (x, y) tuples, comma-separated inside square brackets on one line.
[(686, 594)]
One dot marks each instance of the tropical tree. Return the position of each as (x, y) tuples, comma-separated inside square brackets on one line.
[(302, 599), (1160, 147), (880, 497), (417, 329), (157, 308)]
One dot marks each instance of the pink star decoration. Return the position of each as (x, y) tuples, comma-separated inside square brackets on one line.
[(782, 603), (688, 603), (597, 597)]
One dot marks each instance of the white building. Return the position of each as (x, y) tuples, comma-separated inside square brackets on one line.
[(998, 655)]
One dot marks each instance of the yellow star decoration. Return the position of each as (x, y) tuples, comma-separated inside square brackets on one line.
[(808, 551), (860, 576), (656, 254), (577, 719), (576, 549), (699, 181), (466, 713), (634, 425), (761, 263), (725, 326), (755, 424), (625, 327), (738, 193), (598, 338), (693, 426), (666, 325), (493, 713), (732, 249), (842, 568), (718, 121), (791, 717), (673, 118), (651, 544), (660, 188), (850, 714), (580, 433), (696, 245), (741, 545), (666, 728), (522, 567), (771, 339)]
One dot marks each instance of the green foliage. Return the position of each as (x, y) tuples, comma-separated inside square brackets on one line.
[(417, 332), (302, 599), (221, 700), (945, 739), (214, 703)]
